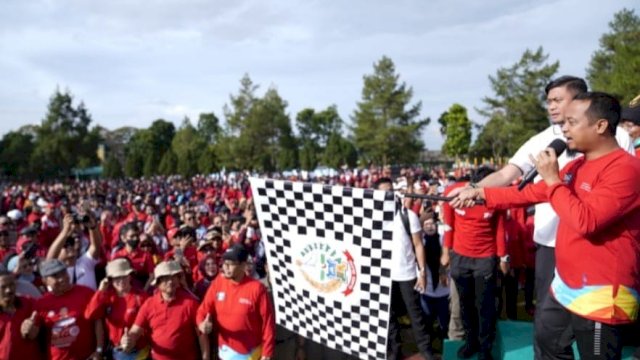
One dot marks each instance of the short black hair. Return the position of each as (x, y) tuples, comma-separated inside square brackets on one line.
[(602, 106), (481, 173), (129, 226), (380, 181), (574, 84)]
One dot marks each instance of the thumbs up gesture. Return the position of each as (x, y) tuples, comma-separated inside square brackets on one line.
[(206, 326), (126, 342), (29, 328)]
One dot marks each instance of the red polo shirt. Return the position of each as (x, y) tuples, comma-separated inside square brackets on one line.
[(171, 326), (142, 262), (70, 335), (119, 312), (475, 232), (12, 344), (242, 314)]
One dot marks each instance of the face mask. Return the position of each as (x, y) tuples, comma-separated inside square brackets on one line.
[(133, 243)]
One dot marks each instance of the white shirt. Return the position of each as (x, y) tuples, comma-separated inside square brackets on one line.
[(403, 257), (84, 271), (546, 220)]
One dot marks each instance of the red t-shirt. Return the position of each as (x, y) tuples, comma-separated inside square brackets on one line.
[(475, 232), (242, 314), (171, 326), (142, 262), (70, 335), (12, 344), (119, 312)]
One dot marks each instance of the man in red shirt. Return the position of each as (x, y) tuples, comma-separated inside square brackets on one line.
[(14, 310), (476, 238), (597, 198), (168, 319), (141, 261), (240, 310), (69, 334)]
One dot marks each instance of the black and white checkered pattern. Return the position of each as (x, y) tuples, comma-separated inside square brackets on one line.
[(362, 219)]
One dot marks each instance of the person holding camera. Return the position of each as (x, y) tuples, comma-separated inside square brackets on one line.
[(118, 303), (67, 248)]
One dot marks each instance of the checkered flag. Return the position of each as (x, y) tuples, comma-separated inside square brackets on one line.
[(329, 255)]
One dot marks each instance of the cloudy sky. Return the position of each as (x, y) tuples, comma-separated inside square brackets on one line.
[(132, 62)]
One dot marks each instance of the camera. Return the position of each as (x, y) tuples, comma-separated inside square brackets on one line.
[(186, 232), (80, 219)]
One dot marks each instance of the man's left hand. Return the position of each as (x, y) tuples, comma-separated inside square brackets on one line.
[(420, 283), (547, 165)]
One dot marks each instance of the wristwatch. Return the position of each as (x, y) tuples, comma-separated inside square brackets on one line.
[(505, 259)]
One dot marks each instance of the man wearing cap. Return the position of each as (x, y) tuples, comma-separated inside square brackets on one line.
[(238, 307), (630, 121), (118, 303), (14, 310), (67, 247), (28, 242), (69, 334), (168, 319)]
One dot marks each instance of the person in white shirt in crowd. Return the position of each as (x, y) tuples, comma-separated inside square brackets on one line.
[(67, 248)]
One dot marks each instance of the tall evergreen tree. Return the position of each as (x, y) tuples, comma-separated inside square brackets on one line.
[(615, 66), (64, 140), (517, 104), (456, 127), (387, 128)]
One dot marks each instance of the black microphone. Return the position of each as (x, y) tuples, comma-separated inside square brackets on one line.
[(558, 146)]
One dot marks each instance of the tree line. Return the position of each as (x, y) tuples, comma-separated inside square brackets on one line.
[(258, 133)]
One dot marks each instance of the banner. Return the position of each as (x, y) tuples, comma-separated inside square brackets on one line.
[(329, 257)]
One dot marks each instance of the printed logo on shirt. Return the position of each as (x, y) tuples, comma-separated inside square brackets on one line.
[(460, 212), (586, 187), (64, 330), (327, 269), (220, 296), (487, 215), (245, 301)]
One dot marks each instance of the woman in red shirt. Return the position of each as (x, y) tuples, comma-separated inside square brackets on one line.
[(118, 303)]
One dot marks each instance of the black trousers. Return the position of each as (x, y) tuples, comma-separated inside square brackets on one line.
[(511, 288), (545, 269), (475, 280), (595, 340), (405, 300)]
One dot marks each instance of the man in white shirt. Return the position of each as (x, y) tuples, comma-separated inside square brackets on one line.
[(67, 248), (408, 280), (559, 93)]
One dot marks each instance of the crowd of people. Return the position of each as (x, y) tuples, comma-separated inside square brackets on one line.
[(173, 268)]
